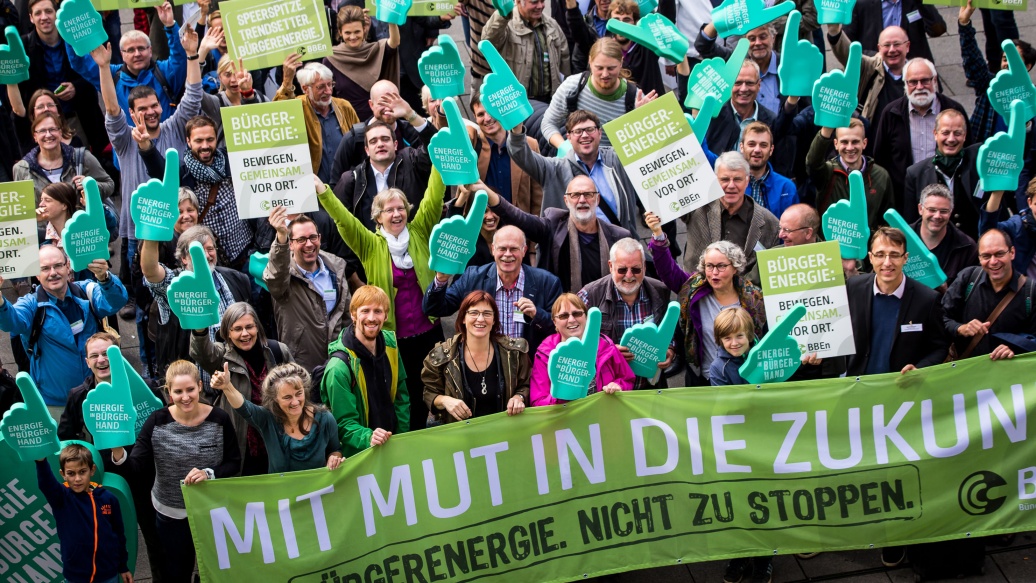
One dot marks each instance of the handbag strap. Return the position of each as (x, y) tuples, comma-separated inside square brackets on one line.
[(992, 317), (208, 204)]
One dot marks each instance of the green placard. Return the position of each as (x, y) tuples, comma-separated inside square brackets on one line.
[(801, 61), (418, 8), (640, 479), (263, 33), (27, 426), (777, 356), (648, 342), (86, 235), (120, 4), (19, 238), (573, 363), (1002, 156), (453, 240), (108, 411), (921, 265)]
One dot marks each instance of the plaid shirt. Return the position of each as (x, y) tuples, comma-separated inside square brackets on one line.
[(505, 299), (628, 317), (159, 291), (983, 120)]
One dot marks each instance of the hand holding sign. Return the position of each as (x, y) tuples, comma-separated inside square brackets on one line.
[(14, 63), (801, 61), (649, 342), (655, 32), (451, 150), (1011, 84), (393, 11), (700, 123), (85, 237), (192, 295), (154, 204), (453, 240), (834, 12), (921, 264), (573, 363), (1001, 157), (81, 26), (834, 94), (504, 7), (28, 427), (846, 220), (740, 16), (257, 267), (441, 69), (715, 77), (777, 356), (504, 98), (108, 412)]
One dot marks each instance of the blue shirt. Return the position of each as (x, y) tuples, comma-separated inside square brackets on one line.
[(321, 278), (498, 175), (600, 24), (601, 182), (891, 13), (331, 136), (769, 87), (54, 64)]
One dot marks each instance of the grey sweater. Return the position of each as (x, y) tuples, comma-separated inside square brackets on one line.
[(557, 113)]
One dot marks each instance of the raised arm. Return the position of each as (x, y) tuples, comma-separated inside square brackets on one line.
[(102, 55)]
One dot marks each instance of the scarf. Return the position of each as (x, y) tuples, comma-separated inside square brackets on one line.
[(363, 65), (209, 174), (948, 165), (377, 372), (255, 365), (575, 258), (399, 248), (33, 159)]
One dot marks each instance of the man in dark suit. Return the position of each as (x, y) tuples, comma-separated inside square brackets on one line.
[(870, 17)]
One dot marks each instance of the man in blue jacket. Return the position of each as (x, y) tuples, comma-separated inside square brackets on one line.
[(69, 314), (765, 186)]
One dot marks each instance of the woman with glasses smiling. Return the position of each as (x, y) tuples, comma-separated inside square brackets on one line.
[(52, 160), (479, 371)]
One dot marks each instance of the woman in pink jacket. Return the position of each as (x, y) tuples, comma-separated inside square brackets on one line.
[(613, 372)]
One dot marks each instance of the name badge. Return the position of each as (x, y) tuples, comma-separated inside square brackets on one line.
[(77, 327), (911, 328), (330, 294), (519, 316), (913, 16)]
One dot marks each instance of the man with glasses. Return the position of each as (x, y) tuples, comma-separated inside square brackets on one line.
[(871, 17), (524, 294), (309, 288), (760, 50), (954, 249), (742, 109)]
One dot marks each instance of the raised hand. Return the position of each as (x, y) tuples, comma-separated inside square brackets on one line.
[(453, 240), (85, 237), (504, 7), (140, 133), (108, 411), (649, 342), (451, 150), (81, 26), (154, 204), (165, 14), (189, 41), (292, 63), (1001, 157), (192, 295), (921, 264), (715, 77), (504, 98), (392, 11), (740, 16), (212, 39), (442, 70), (573, 363), (102, 55), (801, 61), (654, 223), (244, 77), (14, 63), (777, 356), (846, 220), (834, 94), (28, 427), (654, 32), (257, 263), (833, 12), (1011, 84), (700, 123)]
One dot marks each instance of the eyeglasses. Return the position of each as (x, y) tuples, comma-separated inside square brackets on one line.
[(310, 239), (475, 315), (988, 256), (574, 314), (882, 256), (745, 83), (925, 81), (623, 270), (893, 44), (583, 131), (936, 211), (577, 195), (324, 86), (716, 266), (392, 211), (45, 131), (49, 268), (787, 231), (240, 329), (133, 50)]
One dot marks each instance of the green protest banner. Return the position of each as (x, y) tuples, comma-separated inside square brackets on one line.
[(418, 8), (989, 4), (120, 4), (19, 239), (269, 158), (612, 483), (809, 275), (264, 33), (664, 158)]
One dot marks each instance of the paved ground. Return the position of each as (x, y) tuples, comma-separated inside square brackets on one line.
[(1015, 563)]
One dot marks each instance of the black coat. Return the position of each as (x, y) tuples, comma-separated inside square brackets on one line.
[(725, 132), (966, 208), (963, 250), (351, 152), (867, 25)]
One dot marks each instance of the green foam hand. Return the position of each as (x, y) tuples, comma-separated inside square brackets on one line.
[(1011, 84), (453, 240), (144, 401), (834, 93), (740, 16), (846, 220), (108, 411), (649, 342), (257, 267), (192, 294), (85, 237), (777, 356), (801, 61), (504, 7), (154, 205), (14, 63), (1001, 157), (654, 32), (393, 11), (27, 426), (81, 26), (573, 363), (504, 98), (834, 12), (715, 77), (700, 123), (921, 264), (442, 70), (451, 150), (564, 149), (647, 6)]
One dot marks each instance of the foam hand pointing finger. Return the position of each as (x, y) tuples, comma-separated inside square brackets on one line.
[(834, 94), (846, 220), (700, 123), (573, 363), (108, 411), (441, 69), (85, 237), (834, 12), (504, 7), (154, 205), (655, 32), (648, 342), (14, 63), (81, 26), (715, 77), (393, 11), (1011, 84), (921, 264), (192, 294), (451, 150), (257, 263), (801, 62), (777, 356), (453, 240), (144, 401), (504, 98), (740, 16), (28, 427), (1001, 157)]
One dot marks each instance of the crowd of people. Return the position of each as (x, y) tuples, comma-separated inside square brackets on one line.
[(344, 344)]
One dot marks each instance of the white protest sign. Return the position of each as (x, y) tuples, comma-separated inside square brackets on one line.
[(19, 239)]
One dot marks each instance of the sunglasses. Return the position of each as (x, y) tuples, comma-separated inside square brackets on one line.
[(623, 270)]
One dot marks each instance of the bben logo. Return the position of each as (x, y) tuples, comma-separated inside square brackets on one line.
[(973, 495)]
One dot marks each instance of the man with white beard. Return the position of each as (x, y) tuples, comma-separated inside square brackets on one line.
[(906, 129)]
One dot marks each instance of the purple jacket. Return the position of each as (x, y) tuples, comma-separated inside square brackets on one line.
[(611, 368)]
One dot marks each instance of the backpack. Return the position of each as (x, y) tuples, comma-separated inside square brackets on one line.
[(174, 98), (317, 375), (32, 349), (572, 103)]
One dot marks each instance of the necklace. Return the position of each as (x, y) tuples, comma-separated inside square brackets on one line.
[(489, 355)]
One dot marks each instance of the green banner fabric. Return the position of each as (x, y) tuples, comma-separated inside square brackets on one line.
[(613, 483), (418, 8), (264, 33), (19, 238)]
